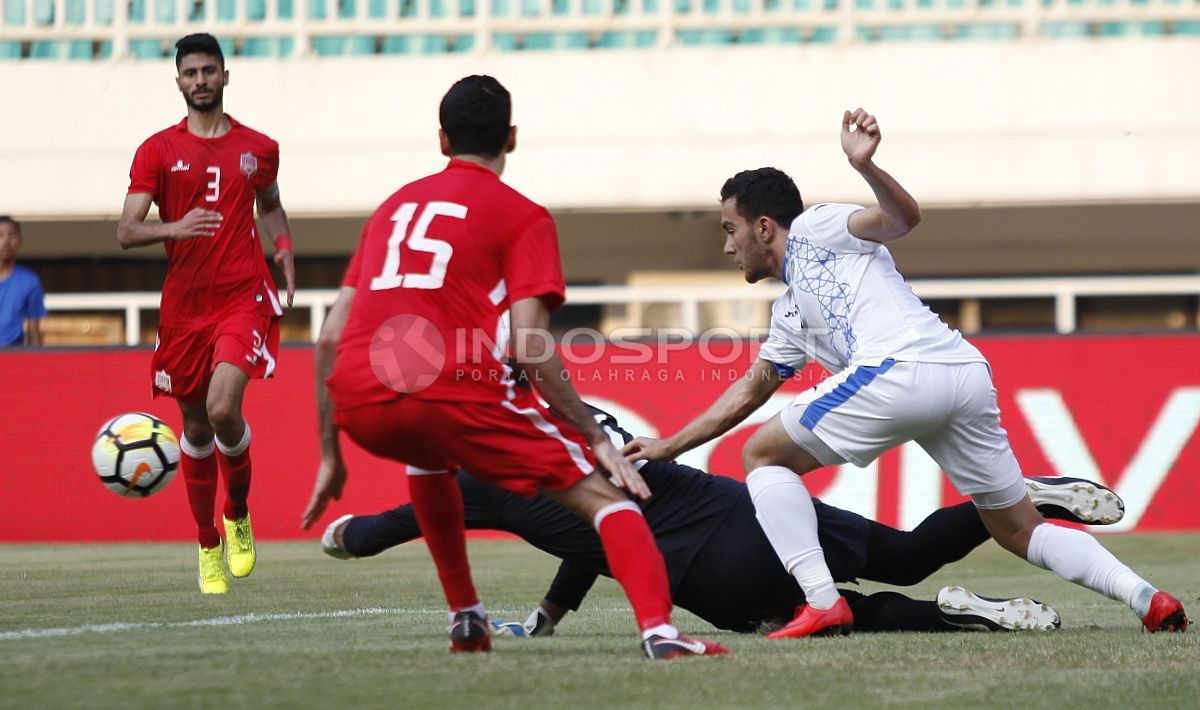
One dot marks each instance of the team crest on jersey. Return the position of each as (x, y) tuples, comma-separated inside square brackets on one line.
[(249, 164)]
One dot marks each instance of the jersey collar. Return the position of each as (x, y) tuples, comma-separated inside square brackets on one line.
[(468, 165), (233, 123)]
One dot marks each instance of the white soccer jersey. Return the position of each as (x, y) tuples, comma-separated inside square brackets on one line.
[(847, 304)]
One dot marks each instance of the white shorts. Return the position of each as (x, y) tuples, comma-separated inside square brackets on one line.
[(948, 409)]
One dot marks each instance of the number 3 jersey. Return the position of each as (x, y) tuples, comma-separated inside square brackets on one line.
[(435, 271), (208, 277)]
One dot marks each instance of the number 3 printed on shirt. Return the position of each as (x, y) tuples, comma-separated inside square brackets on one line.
[(442, 251), (215, 185)]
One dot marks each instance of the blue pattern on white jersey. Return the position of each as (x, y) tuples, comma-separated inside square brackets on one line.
[(810, 267)]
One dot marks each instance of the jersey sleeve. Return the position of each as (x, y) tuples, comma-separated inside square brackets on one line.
[(268, 168), (828, 223), (784, 347), (144, 173), (532, 266)]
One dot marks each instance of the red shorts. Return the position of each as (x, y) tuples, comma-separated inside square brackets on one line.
[(518, 446), (184, 357)]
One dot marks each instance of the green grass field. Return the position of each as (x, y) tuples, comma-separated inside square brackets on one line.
[(97, 626)]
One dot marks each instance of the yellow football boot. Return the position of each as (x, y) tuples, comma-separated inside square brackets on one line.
[(240, 539), (212, 571)]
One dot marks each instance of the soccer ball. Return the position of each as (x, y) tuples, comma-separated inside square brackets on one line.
[(135, 455)]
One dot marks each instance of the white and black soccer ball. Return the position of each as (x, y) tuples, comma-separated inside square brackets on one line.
[(135, 455)]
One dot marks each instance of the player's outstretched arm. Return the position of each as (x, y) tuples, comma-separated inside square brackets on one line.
[(133, 231), (534, 351), (741, 399), (897, 212), (275, 224), (331, 473)]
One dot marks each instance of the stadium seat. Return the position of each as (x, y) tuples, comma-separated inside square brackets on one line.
[(75, 12), (10, 50), (772, 35), (256, 10), (621, 40), (501, 8), (104, 12), (104, 50), (137, 11), (987, 31), (505, 42), (466, 8), (1186, 28), (530, 8), (695, 38), (61, 49), (555, 40), (226, 10), (14, 13), (416, 44), (146, 48), (1064, 30), (343, 46), (43, 12), (267, 47), (164, 11)]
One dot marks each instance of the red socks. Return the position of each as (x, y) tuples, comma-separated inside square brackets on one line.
[(635, 562), (235, 468), (199, 470), (438, 504)]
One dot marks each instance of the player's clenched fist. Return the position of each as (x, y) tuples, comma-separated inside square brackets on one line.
[(860, 137)]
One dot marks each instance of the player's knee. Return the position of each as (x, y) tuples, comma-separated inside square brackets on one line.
[(198, 434)]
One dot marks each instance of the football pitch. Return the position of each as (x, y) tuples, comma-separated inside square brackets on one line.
[(100, 626)]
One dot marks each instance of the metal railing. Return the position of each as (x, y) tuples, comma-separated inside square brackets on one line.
[(481, 25), (1065, 292)]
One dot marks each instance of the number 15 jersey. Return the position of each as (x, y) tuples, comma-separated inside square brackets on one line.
[(436, 269)]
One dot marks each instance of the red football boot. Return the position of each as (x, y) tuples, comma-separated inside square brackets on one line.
[(469, 632), (808, 621), (1166, 614), (661, 648)]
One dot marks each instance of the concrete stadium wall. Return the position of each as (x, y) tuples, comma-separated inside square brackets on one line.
[(964, 123)]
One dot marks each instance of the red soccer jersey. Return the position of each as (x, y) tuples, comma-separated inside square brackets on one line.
[(454, 249), (210, 276)]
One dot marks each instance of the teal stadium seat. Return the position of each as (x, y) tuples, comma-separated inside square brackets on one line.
[(502, 8), (536, 41), (43, 12), (999, 31), (772, 35), (14, 13), (704, 38), (62, 49), (267, 47), (1065, 30), (104, 13), (256, 10), (1188, 27), (164, 11), (417, 44), (226, 10), (910, 33), (75, 12), (1131, 29), (354, 46), (530, 8), (10, 50), (626, 40), (146, 48), (377, 9), (137, 11), (505, 42)]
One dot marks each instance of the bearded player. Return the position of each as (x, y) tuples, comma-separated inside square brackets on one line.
[(219, 322)]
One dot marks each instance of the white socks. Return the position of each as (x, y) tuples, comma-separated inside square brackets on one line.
[(1077, 557), (238, 448), (478, 609), (785, 511)]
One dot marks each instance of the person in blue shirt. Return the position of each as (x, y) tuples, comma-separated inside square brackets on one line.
[(22, 301)]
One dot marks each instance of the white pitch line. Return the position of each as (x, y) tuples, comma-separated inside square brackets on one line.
[(214, 621), (251, 618)]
